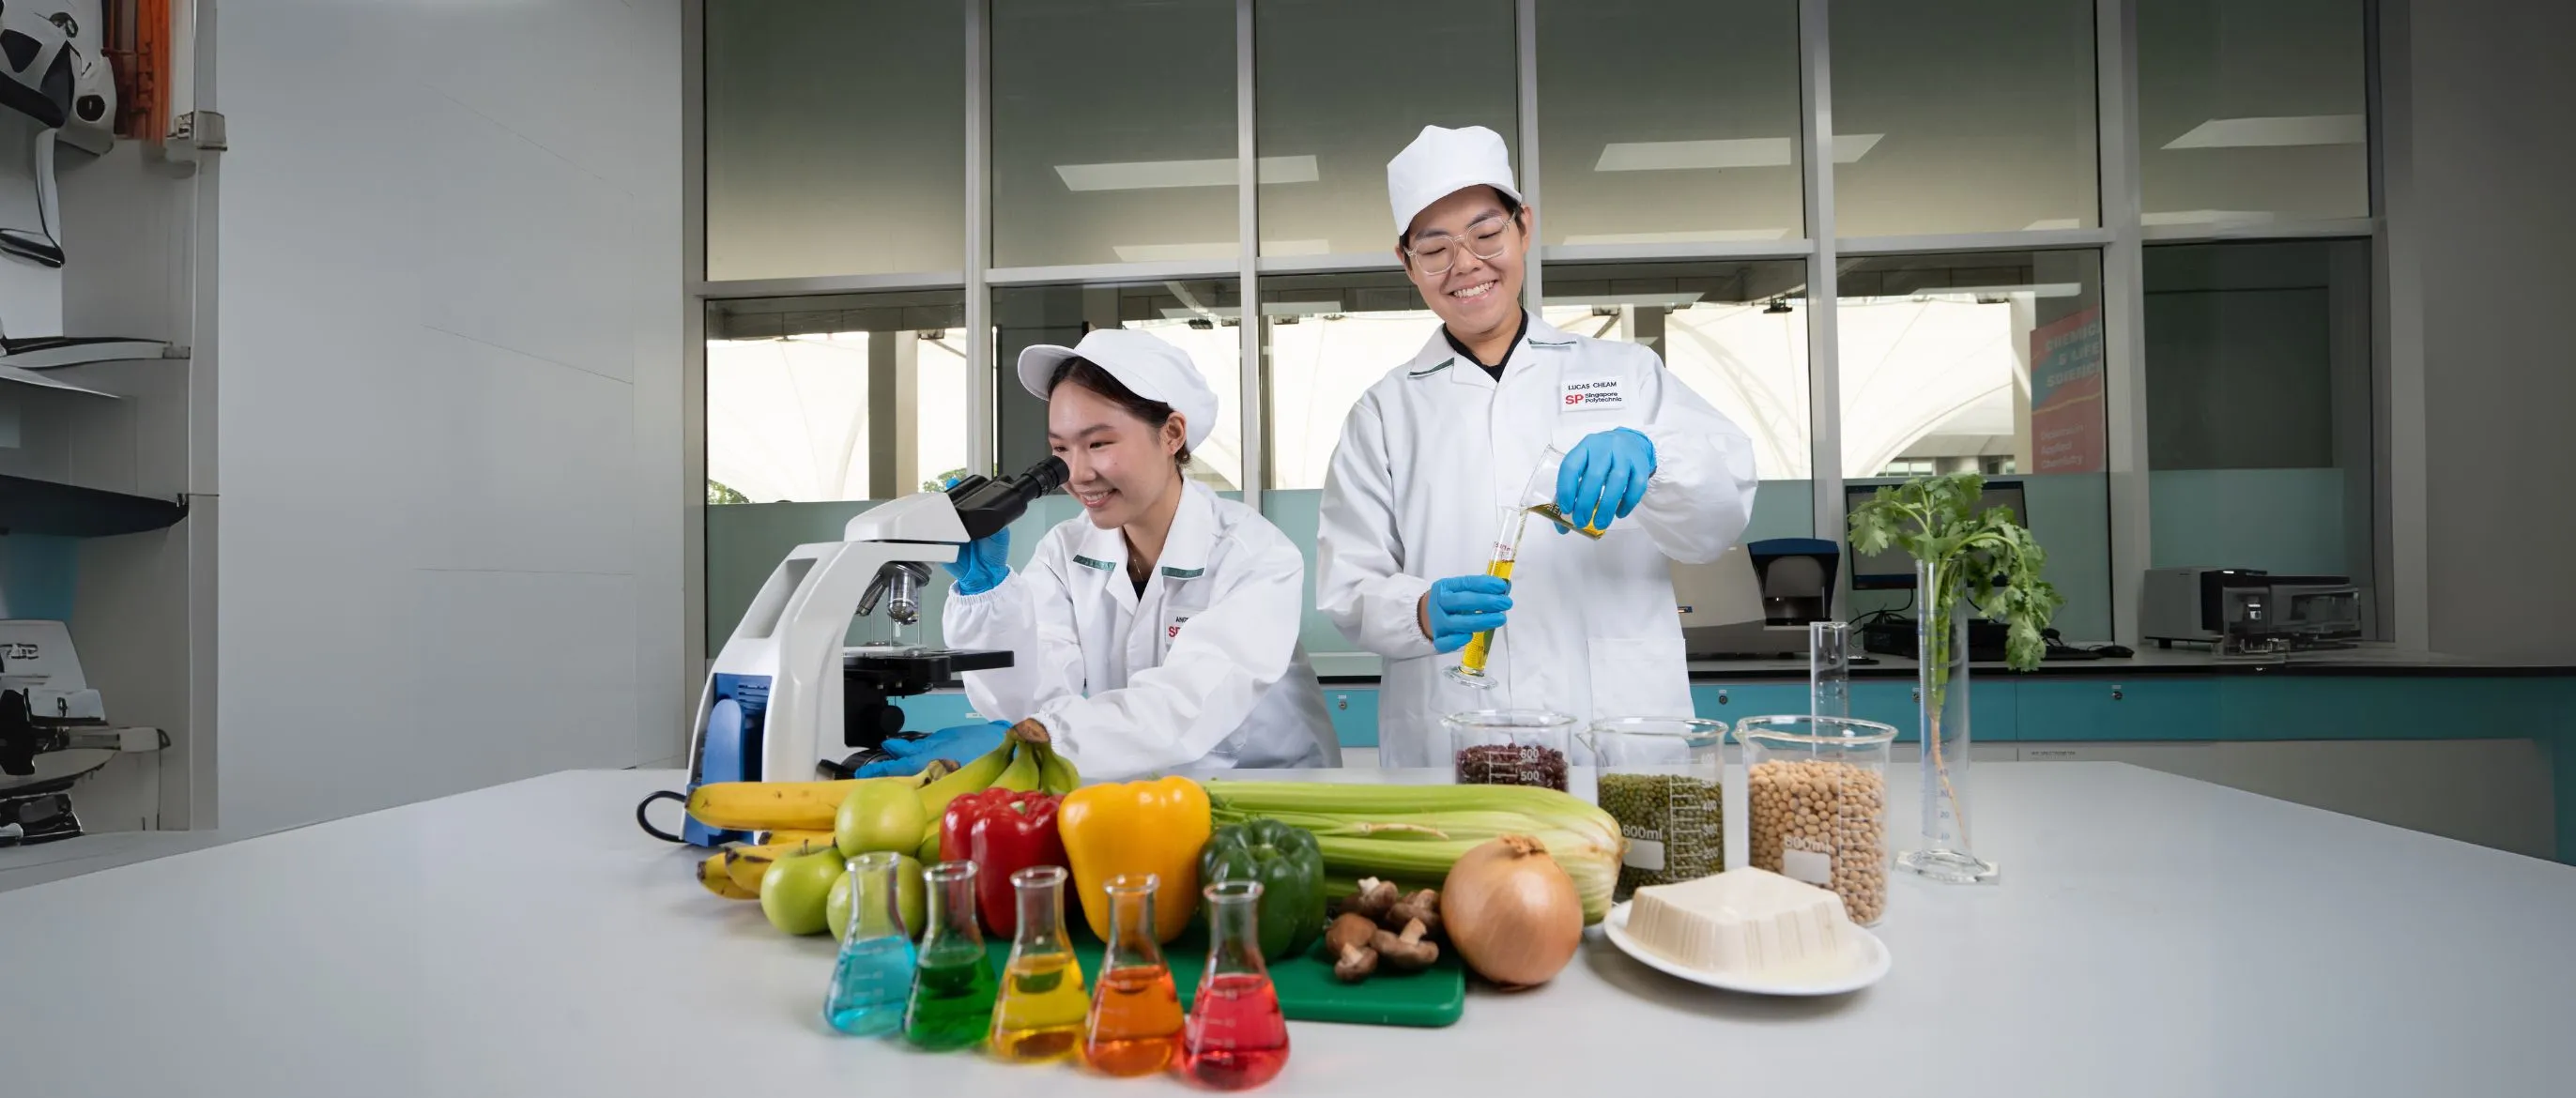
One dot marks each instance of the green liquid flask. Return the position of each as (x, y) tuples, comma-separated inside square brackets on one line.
[(952, 982)]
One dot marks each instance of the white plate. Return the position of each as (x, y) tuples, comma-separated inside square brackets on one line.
[(1868, 964)]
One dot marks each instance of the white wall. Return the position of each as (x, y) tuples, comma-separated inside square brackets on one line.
[(450, 325), (2496, 242)]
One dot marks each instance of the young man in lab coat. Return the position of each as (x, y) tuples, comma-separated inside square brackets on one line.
[(1434, 455), (1157, 632)]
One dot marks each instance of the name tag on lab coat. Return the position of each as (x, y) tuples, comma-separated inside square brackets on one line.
[(1586, 394)]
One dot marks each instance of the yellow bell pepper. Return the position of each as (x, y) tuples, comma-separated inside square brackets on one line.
[(1152, 827)]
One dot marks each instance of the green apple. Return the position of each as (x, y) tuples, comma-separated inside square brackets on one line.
[(836, 909), (880, 814), (911, 898), (795, 890), (929, 852)]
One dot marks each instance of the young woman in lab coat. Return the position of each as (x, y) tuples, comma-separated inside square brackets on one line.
[(1432, 456), (1157, 633)]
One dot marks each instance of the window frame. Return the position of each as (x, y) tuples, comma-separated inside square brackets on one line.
[(2121, 238)]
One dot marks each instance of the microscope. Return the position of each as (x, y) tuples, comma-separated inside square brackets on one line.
[(784, 681)]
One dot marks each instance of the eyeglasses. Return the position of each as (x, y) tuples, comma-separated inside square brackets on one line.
[(1435, 253)]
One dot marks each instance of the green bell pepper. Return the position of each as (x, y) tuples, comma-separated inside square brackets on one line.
[(1290, 866)]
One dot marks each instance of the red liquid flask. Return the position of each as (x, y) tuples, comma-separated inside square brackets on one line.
[(1236, 1038)]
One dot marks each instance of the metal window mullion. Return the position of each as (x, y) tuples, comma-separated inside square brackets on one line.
[(982, 447), (2406, 588), (1247, 220), (1715, 250), (811, 285), (1824, 388), (2005, 240), (2226, 232), (2124, 303), (694, 656), (1525, 34)]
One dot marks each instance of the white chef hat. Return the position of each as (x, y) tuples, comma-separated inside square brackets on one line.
[(1442, 162), (1147, 366)]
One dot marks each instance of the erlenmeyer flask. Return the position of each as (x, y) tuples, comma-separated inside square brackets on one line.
[(1135, 1025), (873, 976), (952, 982), (1538, 494), (1039, 1015), (1235, 1038)]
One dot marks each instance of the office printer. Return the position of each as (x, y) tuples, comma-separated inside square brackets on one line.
[(2248, 607)]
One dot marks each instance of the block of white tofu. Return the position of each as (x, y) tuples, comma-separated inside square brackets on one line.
[(1741, 921)]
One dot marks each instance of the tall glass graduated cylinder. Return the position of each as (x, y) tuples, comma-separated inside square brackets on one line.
[(1946, 851)]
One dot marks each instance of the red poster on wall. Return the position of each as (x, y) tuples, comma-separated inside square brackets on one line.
[(2067, 424)]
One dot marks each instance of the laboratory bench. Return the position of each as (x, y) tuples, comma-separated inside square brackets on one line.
[(2152, 936), (2500, 735)]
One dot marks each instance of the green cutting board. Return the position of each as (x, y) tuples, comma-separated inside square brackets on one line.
[(1307, 990)]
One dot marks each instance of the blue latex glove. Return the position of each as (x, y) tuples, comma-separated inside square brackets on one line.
[(1604, 478), (984, 563), (1462, 606), (960, 745)]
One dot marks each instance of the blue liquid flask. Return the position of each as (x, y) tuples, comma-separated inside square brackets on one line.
[(873, 977)]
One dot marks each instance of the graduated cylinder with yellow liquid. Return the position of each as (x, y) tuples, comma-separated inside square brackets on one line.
[(1507, 547)]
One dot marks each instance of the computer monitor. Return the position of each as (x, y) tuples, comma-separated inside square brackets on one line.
[(1892, 569)]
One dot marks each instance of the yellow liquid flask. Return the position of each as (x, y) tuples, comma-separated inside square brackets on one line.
[(1549, 512), (1043, 1004)]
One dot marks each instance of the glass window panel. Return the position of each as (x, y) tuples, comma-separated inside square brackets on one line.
[(1343, 85), (1113, 131), (804, 175), (1736, 333), (1989, 362), (826, 398), (2259, 423), (1964, 116), (2252, 110), (1325, 340), (1200, 317), (1669, 121)]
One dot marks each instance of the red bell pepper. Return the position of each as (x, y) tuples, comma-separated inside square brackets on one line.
[(1002, 831)]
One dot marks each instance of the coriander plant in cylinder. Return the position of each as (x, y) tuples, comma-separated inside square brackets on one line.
[(1966, 561)]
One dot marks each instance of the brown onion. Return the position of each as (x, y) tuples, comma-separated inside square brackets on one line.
[(1512, 912)]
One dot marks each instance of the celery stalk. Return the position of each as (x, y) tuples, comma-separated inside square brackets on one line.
[(1412, 834)]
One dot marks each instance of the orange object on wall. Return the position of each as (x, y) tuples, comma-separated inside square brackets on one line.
[(138, 47)]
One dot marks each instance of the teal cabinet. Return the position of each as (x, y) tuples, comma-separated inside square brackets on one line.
[(2416, 708), (1732, 702), (1354, 713), (2151, 708), (1991, 705)]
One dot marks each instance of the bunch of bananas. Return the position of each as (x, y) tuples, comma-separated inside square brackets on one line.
[(808, 828)]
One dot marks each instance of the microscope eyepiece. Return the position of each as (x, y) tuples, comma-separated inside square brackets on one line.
[(989, 505), (1048, 475)]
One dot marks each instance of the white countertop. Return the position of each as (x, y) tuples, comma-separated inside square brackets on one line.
[(2153, 936)]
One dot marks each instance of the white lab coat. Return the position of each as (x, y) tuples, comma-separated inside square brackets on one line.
[(1203, 672), (1428, 461)]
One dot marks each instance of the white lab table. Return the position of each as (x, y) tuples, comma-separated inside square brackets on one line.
[(2153, 936)]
